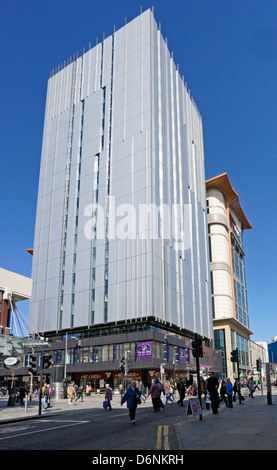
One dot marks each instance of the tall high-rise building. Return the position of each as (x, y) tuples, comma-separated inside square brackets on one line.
[(227, 223), (121, 228)]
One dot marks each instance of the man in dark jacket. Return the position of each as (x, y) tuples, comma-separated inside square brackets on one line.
[(132, 395), (212, 386), (181, 389)]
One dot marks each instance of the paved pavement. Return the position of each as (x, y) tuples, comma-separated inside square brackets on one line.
[(251, 425)]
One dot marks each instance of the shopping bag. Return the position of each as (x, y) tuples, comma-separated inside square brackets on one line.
[(105, 404)]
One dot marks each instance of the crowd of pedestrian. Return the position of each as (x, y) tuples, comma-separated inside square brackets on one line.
[(75, 393), (215, 392)]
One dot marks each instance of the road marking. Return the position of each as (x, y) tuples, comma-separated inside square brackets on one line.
[(162, 438), (13, 429), (47, 429)]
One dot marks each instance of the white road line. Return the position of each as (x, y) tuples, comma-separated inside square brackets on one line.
[(47, 429)]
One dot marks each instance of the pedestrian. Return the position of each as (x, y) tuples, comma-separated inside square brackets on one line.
[(208, 401), (71, 393), (251, 387), (22, 394), (181, 389), (109, 396), (202, 386), (223, 393), (168, 393), (49, 394), (194, 388), (132, 396), (229, 391), (212, 387), (155, 395), (75, 393), (256, 383), (45, 396), (173, 389), (142, 390), (79, 394), (241, 398), (161, 387)]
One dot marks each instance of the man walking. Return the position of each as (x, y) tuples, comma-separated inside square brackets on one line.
[(251, 387), (212, 387), (229, 391), (181, 389)]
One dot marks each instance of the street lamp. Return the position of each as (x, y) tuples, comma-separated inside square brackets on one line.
[(126, 368), (65, 357), (162, 371)]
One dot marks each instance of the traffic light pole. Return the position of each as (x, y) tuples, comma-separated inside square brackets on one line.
[(40, 388), (238, 374), (261, 380)]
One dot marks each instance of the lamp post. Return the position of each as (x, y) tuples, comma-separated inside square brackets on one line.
[(65, 353), (126, 369)]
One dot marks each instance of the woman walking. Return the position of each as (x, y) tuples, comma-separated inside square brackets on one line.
[(223, 393), (132, 396), (109, 396), (155, 395), (168, 392)]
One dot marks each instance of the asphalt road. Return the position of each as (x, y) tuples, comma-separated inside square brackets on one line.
[(95, 429)]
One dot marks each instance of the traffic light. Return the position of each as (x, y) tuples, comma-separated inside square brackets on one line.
[(200, 348), (234, 356), (197, 349), (165, 351), (258, 364), (194, 348), (122, 364), (176, 364), (127, 365), (46, 361), (32, 364)]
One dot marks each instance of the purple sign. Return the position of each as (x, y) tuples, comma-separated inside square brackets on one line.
[(144, 349), (183, 355)]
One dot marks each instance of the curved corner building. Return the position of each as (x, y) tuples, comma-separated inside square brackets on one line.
[(226, 225)]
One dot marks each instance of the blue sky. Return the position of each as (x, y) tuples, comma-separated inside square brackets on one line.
[(227, 52)]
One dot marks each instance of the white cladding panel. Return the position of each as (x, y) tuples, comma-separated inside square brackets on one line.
[(121, 130)]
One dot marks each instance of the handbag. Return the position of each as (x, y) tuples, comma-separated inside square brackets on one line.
[(138, 401), (105, 404)]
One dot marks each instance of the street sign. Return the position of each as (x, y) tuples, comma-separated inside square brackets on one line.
[(12, 363), (194, 407)]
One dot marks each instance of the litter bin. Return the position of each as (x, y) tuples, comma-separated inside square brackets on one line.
[(11, 400)]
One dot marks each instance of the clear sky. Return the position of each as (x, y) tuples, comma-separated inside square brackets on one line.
[(227, 52)]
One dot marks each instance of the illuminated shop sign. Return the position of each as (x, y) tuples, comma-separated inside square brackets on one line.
[(183, 355), (144, 349)]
